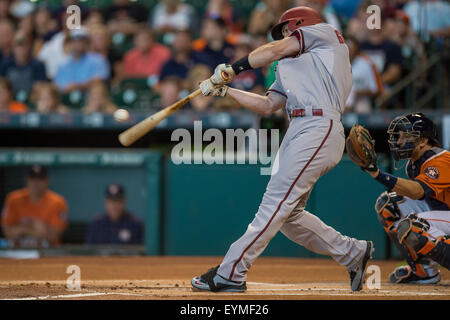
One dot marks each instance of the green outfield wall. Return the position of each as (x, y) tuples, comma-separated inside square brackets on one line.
[(194, 209), (207, 207)]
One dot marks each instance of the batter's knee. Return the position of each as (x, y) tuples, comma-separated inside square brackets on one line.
[(387, 209)]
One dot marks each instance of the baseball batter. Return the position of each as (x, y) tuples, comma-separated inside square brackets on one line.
[(313, 81)]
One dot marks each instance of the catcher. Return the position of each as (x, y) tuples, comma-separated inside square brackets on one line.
[(414, 212)]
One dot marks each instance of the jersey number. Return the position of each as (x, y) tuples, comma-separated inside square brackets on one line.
[(339, 36)]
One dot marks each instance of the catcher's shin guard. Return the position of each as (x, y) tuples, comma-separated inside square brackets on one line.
[(388, 213), (412, 232)]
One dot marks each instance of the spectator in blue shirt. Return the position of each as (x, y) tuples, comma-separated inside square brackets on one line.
[(83, 67), (21, 69), (117, 225)]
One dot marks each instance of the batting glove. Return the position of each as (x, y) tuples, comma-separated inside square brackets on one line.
[(223, 74), (220, 91), (209, 89)]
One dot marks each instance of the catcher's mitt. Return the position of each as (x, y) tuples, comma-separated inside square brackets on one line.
[(361, 148)]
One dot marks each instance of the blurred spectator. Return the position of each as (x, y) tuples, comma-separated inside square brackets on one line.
[(34, 215), (345, 8), (22, 70), (146, 58), (183, 57), (357, 26), (5, 9), (47, 100), (215, 46), (386, 55), (45, 27), (6, 40), (101, 44), (172, 15), (403, 35), (94, 18), (169, 90), (125, 16), (98, 99), (23, 12), (223, 9), (7, 103), (116, 225), (326, 11), (429, 17), (55, 52), (252, 80), (83, 66), (197, 74), (366, 80), (265, 15), (100, 40)]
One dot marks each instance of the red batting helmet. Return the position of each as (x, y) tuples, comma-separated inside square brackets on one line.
[(296, 18)]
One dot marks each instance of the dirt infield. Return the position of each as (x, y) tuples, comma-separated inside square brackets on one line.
[(169, 278)]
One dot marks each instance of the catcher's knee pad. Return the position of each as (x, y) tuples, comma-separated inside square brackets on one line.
[(413, 233), (388, 213), (387, 209)]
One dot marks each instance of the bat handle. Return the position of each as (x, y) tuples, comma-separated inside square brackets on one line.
[(225, 76)]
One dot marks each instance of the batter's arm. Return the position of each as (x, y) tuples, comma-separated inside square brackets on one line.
[(264, 105), (273, 51)]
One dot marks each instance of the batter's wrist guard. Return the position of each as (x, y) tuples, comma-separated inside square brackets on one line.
[(241, 65)]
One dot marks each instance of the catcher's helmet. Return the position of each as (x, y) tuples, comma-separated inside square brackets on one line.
[(296, 18), (405, 130)]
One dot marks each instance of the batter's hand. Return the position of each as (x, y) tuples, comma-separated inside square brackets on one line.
[(210, 89), (223, 74)]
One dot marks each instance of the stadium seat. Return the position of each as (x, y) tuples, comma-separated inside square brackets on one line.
[(74, 100), (135, 94)]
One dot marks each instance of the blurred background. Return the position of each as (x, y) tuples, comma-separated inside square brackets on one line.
[(67, 187)]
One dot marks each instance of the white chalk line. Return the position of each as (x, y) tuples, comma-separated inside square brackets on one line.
[(77, 295)]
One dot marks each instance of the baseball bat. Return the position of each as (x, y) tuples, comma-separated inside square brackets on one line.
[(131, 135)]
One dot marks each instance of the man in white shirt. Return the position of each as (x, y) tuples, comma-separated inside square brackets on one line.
[(366, 80)]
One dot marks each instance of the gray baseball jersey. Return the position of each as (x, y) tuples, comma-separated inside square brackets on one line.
[(317, 80), (320, 75)]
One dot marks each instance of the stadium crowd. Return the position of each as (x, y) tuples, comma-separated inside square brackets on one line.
[(164, 49)]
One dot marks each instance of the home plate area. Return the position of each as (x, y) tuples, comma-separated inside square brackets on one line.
[(168, 278)]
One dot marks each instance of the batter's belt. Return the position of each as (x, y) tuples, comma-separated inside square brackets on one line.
[(315, 112)]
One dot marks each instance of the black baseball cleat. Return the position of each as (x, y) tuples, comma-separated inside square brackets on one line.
[(211, 281), (358, 270)]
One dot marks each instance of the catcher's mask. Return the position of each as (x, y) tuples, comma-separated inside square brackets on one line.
[(405, 131)]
